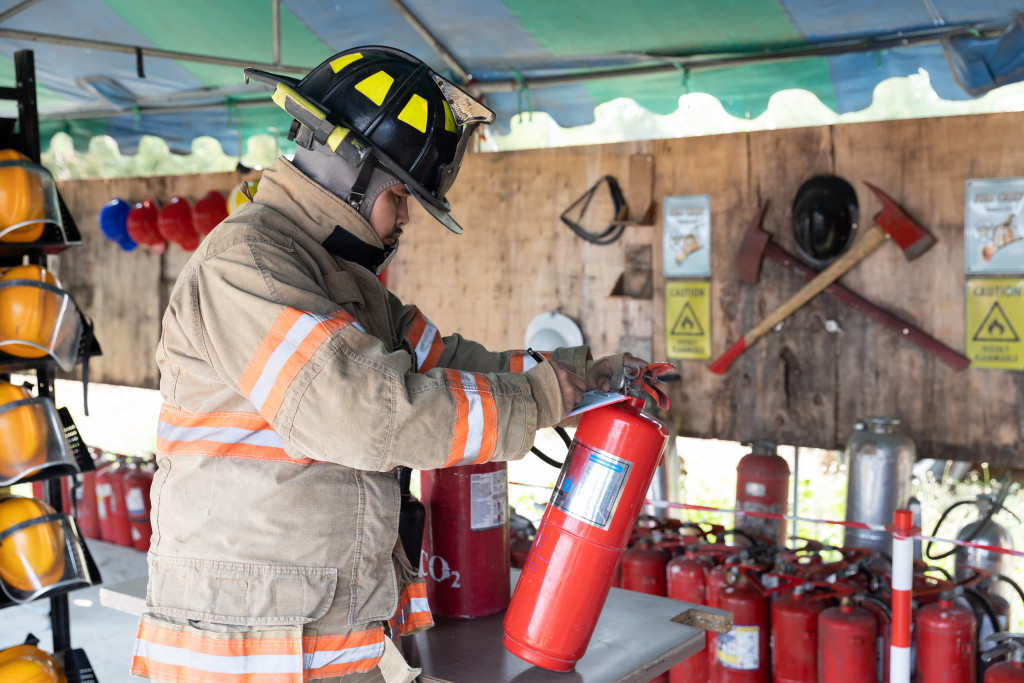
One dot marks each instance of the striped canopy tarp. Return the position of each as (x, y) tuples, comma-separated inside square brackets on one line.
[(173, 68)]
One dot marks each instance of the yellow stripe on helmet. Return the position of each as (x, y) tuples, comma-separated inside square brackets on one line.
[(415, 113), (283, 93), (376, 86), (336, 137), (449, 119), (341, 62)]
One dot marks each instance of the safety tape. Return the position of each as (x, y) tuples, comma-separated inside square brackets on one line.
[(812, 520), (854, 525)]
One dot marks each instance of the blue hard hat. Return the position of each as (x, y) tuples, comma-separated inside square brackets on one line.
[(114, 223)]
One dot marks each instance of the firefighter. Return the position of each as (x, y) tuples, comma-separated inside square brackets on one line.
[(294, 384)]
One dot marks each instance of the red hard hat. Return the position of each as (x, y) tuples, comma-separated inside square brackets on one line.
[(209, 212), (175, 223), (142, 226)]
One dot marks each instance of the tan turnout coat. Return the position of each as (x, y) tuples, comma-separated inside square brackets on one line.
[(293, 385)]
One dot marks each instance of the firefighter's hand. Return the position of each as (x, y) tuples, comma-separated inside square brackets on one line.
[(602, 374), (571, 385)]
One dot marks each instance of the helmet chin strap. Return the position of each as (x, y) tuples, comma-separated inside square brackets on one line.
[(362, 181)]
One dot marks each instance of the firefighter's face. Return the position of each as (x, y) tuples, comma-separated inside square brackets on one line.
[(390, 213)]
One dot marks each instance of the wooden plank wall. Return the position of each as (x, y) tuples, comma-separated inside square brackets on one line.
[(800, 385)]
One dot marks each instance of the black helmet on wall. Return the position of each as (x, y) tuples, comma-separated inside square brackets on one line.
[(377, 104), (824, 219)]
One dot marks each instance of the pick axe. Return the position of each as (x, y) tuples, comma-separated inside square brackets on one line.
[(890, 222)]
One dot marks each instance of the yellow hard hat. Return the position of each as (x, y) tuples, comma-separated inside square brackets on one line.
[(22, 199), (31, 557), (242, 194), (22, 434), (29, 664), (28, 314)]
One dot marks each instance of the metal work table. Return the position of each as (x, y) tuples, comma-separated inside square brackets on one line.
[(637, 637)]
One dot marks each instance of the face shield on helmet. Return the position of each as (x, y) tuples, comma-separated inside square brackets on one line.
[(28, 200), (32, 438), (40, 550), (381, 105), (37, 317)]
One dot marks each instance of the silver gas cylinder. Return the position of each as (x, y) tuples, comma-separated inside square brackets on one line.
[(879, 464)]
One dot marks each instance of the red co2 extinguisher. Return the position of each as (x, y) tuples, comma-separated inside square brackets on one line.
[(465, 560), (110, 503), (585, 529), (795, 636)]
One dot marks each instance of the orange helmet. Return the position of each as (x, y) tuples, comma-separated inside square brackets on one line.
[(28, 314), (32, 556), (23, 434), (22, 198), (29, 664)]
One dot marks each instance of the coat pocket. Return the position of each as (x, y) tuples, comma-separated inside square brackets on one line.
[(166, 651), (239, 593)]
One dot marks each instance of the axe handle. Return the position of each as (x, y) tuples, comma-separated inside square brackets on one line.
[(871, 240), (912, 333)]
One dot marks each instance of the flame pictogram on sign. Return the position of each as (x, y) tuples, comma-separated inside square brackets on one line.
[(996, 327), (687, 324)]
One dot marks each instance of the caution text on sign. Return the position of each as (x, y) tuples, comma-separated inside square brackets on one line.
[(995, 322), (688, 319)]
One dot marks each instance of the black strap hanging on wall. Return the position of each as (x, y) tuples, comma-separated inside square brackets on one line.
[(614, 229)]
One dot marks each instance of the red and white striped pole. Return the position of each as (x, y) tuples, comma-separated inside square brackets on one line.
[(902, 582)]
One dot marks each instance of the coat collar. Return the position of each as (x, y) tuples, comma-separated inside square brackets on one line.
[(314, 209)]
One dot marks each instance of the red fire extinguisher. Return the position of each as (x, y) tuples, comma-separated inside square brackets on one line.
[(644, 569), (847, 644), (138, 479), (584, 532), (762, 485), (743, 655), (85, 501), (465, 557), (688, 581), (110, 504), (946, 643), (1011, 671), (716, 582), (795, 637)]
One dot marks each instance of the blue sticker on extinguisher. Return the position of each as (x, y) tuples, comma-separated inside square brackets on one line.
[(590, 485)]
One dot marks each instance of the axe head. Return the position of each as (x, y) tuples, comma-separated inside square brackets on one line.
[(747, 265), (911, 237)]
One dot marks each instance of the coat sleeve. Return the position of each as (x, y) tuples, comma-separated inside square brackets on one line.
[(430, 349), (333, 392)]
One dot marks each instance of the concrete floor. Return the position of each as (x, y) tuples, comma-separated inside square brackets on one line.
[(106, 635)]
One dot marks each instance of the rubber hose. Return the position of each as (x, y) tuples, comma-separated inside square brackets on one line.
[(1013, 584), (942, 518)]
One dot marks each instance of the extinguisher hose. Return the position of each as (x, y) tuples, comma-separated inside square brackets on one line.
[(979, 599), (1013, 584), (551, 461), (942, 518), (877, 602)]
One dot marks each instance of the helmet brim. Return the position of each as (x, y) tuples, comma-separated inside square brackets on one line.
[(440, 215)]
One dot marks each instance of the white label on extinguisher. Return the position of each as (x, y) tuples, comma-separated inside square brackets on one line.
[(104, 492), (489, 493), (135, 503), (590, 485), (755, 489), (740, 648)]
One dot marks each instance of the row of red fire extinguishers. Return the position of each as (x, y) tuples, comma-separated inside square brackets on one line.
[(816, 613), (801, 615), (111, 503)]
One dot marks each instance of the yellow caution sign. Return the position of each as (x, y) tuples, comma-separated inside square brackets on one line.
[(688, 319), (995, 323)]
